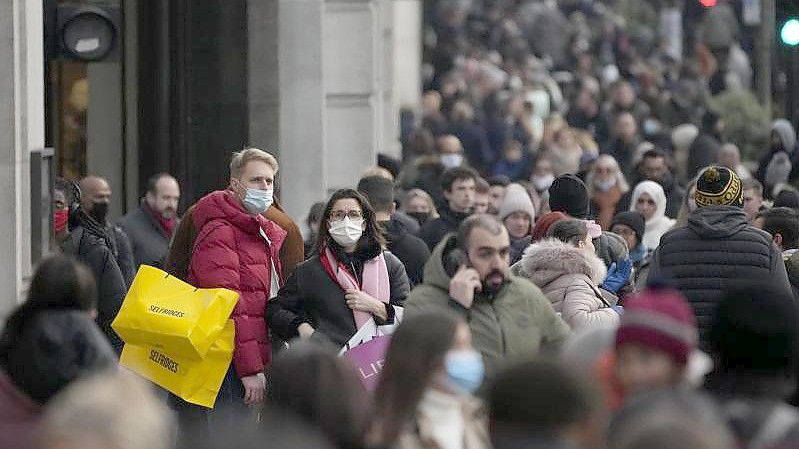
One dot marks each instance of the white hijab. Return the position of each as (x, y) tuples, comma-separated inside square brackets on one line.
[(659, 223)]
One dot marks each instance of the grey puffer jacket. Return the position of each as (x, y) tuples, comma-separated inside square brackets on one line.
[(569, 278), (715, 252)]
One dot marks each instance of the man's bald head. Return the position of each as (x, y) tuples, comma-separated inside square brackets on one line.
[(94, 189)]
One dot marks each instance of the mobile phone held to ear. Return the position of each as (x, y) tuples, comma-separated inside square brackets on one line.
[(455, 259)]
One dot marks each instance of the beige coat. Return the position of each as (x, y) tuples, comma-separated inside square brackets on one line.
[(444, 421), (569, 277)]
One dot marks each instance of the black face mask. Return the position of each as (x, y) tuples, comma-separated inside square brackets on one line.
[(99, 212), (421, 217)]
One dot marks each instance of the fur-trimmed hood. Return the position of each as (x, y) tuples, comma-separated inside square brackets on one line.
[(547, 260)]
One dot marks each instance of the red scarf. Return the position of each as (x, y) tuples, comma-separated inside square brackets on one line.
[(375, 280), (168, 224)]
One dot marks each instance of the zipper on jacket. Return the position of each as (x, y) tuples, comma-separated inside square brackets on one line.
[(499, 325)]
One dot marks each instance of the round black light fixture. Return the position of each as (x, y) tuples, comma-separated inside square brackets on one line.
[(89, 35)]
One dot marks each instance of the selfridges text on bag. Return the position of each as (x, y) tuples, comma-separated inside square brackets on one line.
[(195, 381), (164, 312)]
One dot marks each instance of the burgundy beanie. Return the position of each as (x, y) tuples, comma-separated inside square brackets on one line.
[(659, 319), (545, 222)]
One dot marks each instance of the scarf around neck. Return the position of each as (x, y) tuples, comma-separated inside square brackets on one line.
[(375, 281)]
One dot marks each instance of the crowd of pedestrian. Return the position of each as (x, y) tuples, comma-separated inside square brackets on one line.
[(571, 253)]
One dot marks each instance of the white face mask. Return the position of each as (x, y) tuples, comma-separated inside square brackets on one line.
[(346, 232), (542, 183), (451, 160), (604, 186)]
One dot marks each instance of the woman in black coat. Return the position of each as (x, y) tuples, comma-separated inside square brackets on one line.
[(349, 280)]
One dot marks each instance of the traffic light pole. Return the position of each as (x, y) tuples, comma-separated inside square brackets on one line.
[(764, 53)]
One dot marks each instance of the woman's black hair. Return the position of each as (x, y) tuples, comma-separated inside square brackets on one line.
[(372, 235), (60, 283)]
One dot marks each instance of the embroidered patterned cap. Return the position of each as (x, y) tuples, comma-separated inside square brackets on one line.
[(719, 186)]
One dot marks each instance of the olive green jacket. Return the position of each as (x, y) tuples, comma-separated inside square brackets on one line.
[(516, 323)]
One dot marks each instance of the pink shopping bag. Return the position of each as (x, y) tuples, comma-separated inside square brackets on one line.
[(368, 359)]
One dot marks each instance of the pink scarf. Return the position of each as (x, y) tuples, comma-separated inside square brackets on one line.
[(375, 281)]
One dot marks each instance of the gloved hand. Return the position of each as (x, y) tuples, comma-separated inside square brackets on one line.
[(618, 275), (618, 309)]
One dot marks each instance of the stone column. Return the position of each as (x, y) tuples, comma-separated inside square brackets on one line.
[(352, 46), (21, 130), (303, 174)]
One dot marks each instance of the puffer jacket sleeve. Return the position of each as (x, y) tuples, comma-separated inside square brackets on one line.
[(214, 264), (581, 307)]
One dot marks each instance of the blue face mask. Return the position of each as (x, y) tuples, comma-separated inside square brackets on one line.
[(257, 201), (465, 370)]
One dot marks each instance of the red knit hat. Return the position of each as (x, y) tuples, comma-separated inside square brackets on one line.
[(660, 319), (545, 222)]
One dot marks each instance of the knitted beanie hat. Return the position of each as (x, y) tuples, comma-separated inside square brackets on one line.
[(719, 186), (568, 194), (545, 222), (516, 200), (632, 219), (661, 319)]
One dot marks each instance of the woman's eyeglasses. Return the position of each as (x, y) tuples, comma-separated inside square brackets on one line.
[(339, 215)]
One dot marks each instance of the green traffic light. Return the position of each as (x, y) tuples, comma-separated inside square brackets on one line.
[(790, 32)]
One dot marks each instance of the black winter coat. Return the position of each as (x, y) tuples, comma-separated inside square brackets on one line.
[(704, 151), (147, 237), (311, 296), (120, 246), (433, 231), (48, 349), (715, 252), (409, 249), (111, 288)]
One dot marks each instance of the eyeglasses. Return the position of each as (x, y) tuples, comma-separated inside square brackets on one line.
[(339, 215)]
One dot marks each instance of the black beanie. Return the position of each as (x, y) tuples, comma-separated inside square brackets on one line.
[(569, 195), (787, 198), (719, 186), (634, 220), (755, 330)]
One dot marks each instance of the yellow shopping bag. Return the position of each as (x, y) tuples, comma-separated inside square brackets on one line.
[(195, 381), (162, 311)]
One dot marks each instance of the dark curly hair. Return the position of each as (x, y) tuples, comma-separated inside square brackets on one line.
[(372, 235)]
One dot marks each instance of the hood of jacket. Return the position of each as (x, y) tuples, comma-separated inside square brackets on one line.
[(717, 221), (547, 260), (786, 133), (434, 272), (224, 205), (54, 348)]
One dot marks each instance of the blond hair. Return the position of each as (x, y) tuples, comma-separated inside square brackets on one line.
[(114, 410), (241, 158)]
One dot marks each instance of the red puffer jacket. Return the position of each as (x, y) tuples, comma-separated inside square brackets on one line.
[(230, 252)]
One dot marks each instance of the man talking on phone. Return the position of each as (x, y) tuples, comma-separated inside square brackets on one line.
[(470, 273)]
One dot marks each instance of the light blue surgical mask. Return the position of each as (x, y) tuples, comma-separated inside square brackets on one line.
[(465, 370), (257, 201)]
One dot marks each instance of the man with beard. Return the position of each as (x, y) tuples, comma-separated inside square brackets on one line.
[(151, 225), (470, 273), (95, 200), (653, 167)]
